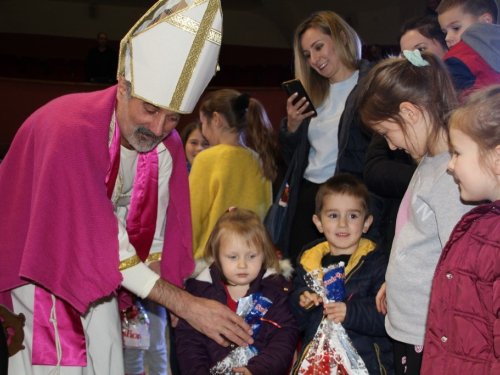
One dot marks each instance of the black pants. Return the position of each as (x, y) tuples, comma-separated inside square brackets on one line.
[(172, 354), (303, 229), (407, 358)]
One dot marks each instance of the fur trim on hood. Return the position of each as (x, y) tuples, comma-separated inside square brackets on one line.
[(286, 269)]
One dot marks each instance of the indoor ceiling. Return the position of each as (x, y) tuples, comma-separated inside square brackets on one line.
[(377, 21), (341, 6)]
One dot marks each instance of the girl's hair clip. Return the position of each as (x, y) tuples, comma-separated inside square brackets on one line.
[(415, 58), (231, 208)]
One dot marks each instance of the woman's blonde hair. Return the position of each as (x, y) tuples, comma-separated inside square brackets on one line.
[(479, 119), (345, 41), (396, 80), (246, 224), (250, 121)]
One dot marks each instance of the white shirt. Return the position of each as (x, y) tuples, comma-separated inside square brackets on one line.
[(323, 132), (139, 279)]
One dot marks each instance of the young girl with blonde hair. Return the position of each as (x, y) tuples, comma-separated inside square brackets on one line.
[(244, 262), (464, 311), (407, 100)]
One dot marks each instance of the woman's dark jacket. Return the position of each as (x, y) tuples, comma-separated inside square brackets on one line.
[(353, 140), (387, 174), (196, 352), (365, 273)]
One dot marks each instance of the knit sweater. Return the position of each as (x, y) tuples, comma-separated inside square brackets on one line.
[(221, 177)]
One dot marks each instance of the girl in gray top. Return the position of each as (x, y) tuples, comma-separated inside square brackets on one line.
[(407, 101)]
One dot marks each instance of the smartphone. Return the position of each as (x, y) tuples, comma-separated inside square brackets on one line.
[(293, 86)]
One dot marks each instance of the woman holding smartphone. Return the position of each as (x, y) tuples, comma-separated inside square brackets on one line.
[(328, 62)]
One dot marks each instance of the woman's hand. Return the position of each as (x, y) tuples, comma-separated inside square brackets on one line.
[(381, 300), (295, 113)]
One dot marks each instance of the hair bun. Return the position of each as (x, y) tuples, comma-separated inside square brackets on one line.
[(242, 103)]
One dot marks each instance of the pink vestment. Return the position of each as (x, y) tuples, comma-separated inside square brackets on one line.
[(57, 226)]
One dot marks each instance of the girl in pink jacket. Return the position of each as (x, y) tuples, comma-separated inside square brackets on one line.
[(463, 326)]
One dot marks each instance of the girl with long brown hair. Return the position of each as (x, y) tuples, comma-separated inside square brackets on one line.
[(238, 169)]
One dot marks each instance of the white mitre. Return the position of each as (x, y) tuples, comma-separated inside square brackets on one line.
[(171, 53)]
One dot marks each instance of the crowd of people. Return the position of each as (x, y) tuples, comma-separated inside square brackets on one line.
[(396, 174)]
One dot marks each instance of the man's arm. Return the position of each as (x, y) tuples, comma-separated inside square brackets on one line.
[(206, 316), (209, 317)]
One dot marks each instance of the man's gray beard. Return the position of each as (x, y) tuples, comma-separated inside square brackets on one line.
[(145, 145)]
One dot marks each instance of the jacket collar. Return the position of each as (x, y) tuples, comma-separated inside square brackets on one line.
[(311, 259), (210, 273)]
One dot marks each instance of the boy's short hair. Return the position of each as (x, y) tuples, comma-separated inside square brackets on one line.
[(473, 7), (343, 184)]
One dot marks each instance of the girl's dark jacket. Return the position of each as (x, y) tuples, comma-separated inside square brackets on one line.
[(365, 273), (353, 140), (196, 352)]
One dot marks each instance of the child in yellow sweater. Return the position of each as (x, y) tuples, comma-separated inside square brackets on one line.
[(239, 167)]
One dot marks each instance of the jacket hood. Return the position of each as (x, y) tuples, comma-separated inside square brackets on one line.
[(267, 278), (286, 269), (484, 38), (311, 258), (206, 275)]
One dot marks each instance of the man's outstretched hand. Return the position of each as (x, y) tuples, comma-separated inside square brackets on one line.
[(211, 318), (219, 323)]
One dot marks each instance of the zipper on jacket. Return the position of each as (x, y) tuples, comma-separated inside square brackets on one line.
[(358, 266), (383, 371)]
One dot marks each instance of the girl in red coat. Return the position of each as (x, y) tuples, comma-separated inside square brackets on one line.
[(244, 263), (463, 326), (407, 100)]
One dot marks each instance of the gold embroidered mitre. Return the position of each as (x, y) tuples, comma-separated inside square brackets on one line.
[(171, 53)]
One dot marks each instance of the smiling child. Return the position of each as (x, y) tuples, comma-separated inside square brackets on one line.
[(343, 215)]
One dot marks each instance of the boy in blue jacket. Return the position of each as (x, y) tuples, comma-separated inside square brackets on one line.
[(342, 214), (472, 35)]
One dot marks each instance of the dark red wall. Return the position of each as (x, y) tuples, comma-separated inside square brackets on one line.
[(35, 69), (19, 98)]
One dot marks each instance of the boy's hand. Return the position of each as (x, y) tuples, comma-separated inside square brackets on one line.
[(335, 311), (308, 299), (381, 300), (241, 370)]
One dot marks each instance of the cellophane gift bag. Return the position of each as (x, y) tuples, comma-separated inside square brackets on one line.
[(251, 308), (331, 351), (135, 327)]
